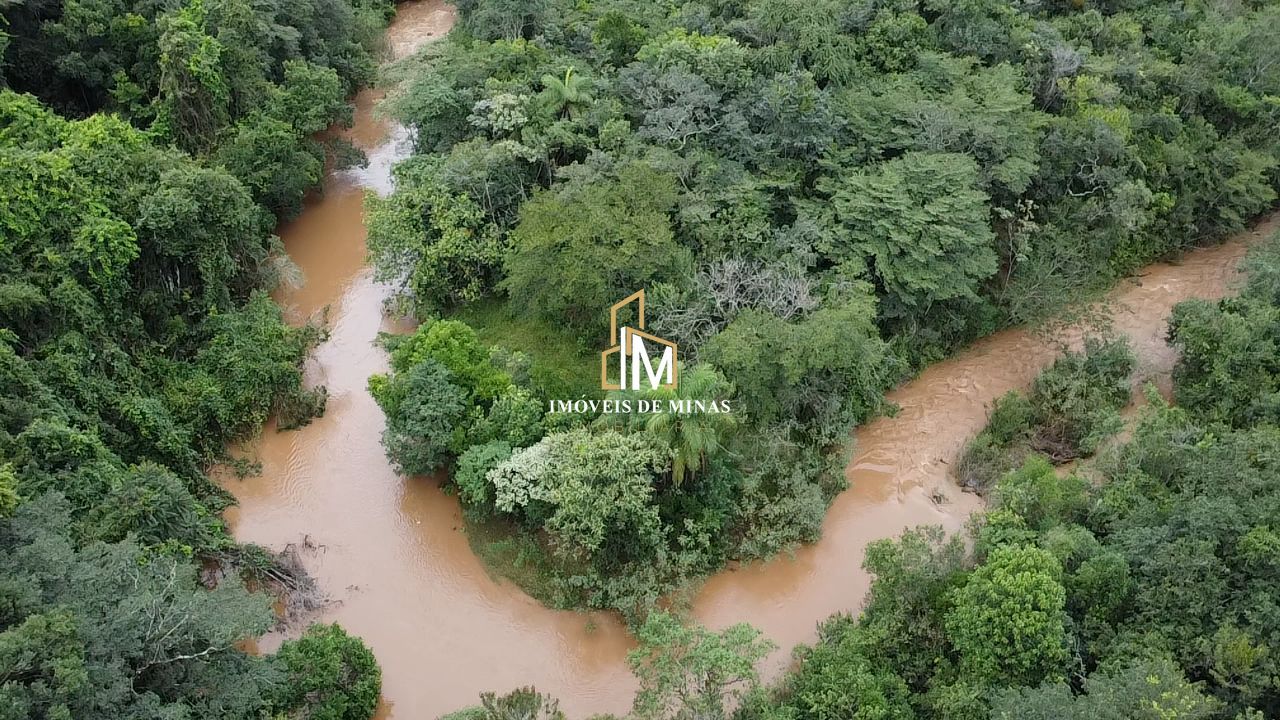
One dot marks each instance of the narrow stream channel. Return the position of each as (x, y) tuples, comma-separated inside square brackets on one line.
[(391, 553)]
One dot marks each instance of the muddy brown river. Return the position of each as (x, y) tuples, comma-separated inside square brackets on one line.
[(390, 551)]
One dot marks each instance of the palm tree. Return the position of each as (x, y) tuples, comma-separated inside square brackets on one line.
[(567, 96), (693, 437)]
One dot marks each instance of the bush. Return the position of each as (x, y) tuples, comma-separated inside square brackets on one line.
[(1036, 493), (1229, 351), (519, 704), (1072, 407), (983, 462), (436, 242), (995, 451), (471, 475), (1011, 418), (1078, 399), (330, 675), (514, 418), (424, 408)]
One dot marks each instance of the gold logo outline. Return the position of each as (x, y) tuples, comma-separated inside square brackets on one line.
[(624, 347)]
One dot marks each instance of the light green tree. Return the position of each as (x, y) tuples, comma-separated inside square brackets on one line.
[(921, 222), (568, 95), (691, 673), (1007, 623)]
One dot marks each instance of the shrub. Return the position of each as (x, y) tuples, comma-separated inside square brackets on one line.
[(1072, 407), (1035, 492), (1011, 418), (1077, 400), (992, 453), (519, 704), (423, 409), (330, 675), (471, 474), (514, 418)]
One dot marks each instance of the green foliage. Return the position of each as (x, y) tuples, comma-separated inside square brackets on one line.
[(137, 348), (151, 504), (825, 372), (424, 409), (8, 491), (472, 471), (1153, 690), (138, 339), (194, 358), (205, 74), (902, 622), (542, 354), (567, 95), (1228, 350), (819, 198), (1036, 493), (112, 630), (564, 239), (921, 221), (1007, 623), (618, 37), (786, 487), (695, 439), (1073, 406), (438, 241), (504, 19), (595, 489), (838, 679), (329, 675), (525, 703), (516, 418), (1012, 416), (247, 354), (1151, 590), (446, 394), (691, 672), (1078, 398), (456, 347)]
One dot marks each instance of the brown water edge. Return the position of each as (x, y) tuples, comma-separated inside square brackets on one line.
[(391, 553), (902, 462)]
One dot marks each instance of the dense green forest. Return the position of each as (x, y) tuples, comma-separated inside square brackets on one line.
[(819, 197), (1140, 584), (146, 152)]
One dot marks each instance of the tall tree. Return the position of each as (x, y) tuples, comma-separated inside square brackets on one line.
[(921, 224), (691, 673)]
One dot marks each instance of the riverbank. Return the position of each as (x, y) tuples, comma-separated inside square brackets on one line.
[(390, 552)]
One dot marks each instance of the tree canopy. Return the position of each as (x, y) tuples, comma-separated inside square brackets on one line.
[(146, 152)]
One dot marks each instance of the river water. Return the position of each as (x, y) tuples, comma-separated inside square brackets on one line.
[(391, 554)]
